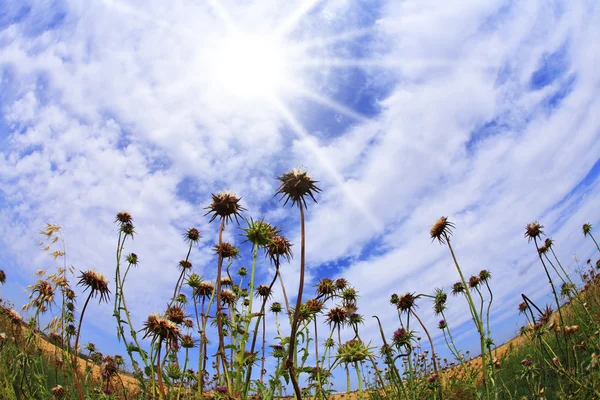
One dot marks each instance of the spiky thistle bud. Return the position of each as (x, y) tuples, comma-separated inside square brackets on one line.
[(227, 250), (184, 265), (132, 259), (407, 302), (59, 392), (336, 316), (276, 307), (296, 185), (533, 231), (279, 246), (192, 235), (394, 298), (194, 280), (96, 282), (439, 301), (587, 229), (124, 217), (485, 275), (457, 288), (259, 233), (225, 205), (176, 314), (474, 282), (227, 297), (242, 272), (341, 284), (441, 230), (325, 287), (263, 291)]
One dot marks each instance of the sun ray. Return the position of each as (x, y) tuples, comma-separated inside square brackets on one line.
[(326, 41), (327, 102), (224, 15), (289, 24), (325, 164)]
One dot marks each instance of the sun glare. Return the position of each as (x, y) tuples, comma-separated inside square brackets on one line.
[(252, 66)]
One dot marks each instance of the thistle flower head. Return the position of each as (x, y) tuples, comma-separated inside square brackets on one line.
[(394, 298), (108, 366), (349, 295), (407, 302), (185, 265), (242, 271), (2, 276), (341, 284), (441, 230), (336, 316), (457, 288), (587, 229), (204, 289), (325, 287), (522, 307), (402, 337), (176, 314), (276, 307), (227, 250), (353, 351), (160, 327), (127, 229), (474, 282), (355, 319), (543, 249), (225, 205), (279, 246), (194, 280), (259, 233), (533, 231), (439, 301), (44, 292), (295, 185), (132, 259), (546, 315), (96, 282), (442, 324), (124, 217), (485, 275), (314, 306), (278, 351), (227, 297), (226, 281), (192, 235), (549, 243), (263, 291), (188, 342)]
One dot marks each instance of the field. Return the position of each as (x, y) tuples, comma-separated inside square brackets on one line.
[(210, 340)]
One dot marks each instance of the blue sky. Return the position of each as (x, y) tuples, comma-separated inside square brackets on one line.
[(486, 112)]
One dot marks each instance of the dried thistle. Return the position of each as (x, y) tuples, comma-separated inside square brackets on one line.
[(336, 316), (276, 307), (533, 231), (295, 185), (2, 276), (407, 302), (325, 287), (457, 288), (176, 314), (263, 291), (441, 230), (58, 392), (160, 327), (279, 246), (192, 235), (227, 250), (204, 289), (184, 265), (587, 229), (96, 282), (227, 296), (124, 217), (225, 205)]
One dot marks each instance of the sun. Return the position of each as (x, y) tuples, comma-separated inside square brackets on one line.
[(249, 65)]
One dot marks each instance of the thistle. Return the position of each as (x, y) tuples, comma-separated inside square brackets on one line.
[(441, 230), (192, 235), (2, 276), (225, 205), (296, 185), (227, 250)]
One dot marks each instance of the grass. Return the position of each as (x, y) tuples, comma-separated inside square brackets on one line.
[(556, 355)]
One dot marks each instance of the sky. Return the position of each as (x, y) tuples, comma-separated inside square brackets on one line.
[(404, 111)]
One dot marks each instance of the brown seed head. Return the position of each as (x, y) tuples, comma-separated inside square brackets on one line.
[(406, 302), (192, 235), (96, 282), (176, 314), (226, 281), (473, 282), (441, 230), (587, 229), (225, 205), (263, 291), (341, 284), (295, 185), (533, 231), (314, 306), (185, 265), (336, 316), (325, 287), (162, 328), (227, 296), (124, 217), (188, 342), (279, 246), (227, 250), (204, 289)]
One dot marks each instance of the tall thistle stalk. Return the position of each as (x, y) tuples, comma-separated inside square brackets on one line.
[(225, 206), (296, 185), (441, 231), (533, 231), (587, 231), (98, 285)]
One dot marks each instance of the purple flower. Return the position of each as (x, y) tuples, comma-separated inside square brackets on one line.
[(221, 389), (108, 391), (526, 363), (442, 324), (433, 378)]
